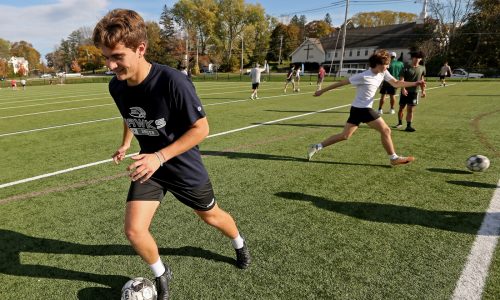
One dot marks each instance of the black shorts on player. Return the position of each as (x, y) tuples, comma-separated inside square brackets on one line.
[(255, 86), (362, 115), (411, 99), (387, 89), (198, 198)]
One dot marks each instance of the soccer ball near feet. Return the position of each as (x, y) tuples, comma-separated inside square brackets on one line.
[(478, 163), (139, 288)]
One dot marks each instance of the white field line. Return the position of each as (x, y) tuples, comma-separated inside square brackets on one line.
[(50, 103), (471, 283), (210, 104), (210, 136), (57, 110), (59, 126), (52, 98)]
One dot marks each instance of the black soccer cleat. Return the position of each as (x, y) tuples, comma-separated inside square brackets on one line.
[(162, 284), (243, 258), (410, 129)]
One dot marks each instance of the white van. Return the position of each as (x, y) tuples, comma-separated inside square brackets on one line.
[(349, 72)]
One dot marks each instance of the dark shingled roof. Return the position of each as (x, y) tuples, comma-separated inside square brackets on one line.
[(390, 36)]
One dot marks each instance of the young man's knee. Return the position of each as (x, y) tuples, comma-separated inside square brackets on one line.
[(133, 233)]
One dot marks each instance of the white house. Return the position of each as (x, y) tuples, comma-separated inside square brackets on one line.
[(360, 43), (16, 63)]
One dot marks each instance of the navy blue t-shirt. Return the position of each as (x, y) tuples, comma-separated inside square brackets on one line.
[(159, 111)]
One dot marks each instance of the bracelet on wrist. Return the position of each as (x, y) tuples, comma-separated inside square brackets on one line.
[(159, 159)]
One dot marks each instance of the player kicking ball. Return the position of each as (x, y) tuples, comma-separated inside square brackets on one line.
[(160, 108), (361, 109)]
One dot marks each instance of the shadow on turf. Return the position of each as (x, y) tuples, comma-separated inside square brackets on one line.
[(448, 171), (12, 244), (473, 184), (242, 155), (456, 221)]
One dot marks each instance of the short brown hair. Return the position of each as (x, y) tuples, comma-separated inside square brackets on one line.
[(380, 57), (120, 26)]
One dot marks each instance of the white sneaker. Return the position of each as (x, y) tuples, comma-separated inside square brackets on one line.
[(392, 111), (251, 97), (380, 112), (311, 150), (256, 97)]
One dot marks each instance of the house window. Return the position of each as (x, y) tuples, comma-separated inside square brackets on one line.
[(350, 52), (335, 53), (358, 53), (328, 55), (366, 52)]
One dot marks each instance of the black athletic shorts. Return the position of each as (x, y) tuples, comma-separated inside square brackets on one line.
[(387, 89), (442, 77), (198, 198), (255, 85), (411, 99), (362, 115)]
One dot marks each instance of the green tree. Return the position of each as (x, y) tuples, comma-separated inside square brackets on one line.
[(382, 18), (476, 44), (328, 19), (171, 53), (318, 29), (4, 49), (89, 57)]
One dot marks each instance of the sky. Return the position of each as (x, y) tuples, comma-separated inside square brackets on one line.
[(44, 23)]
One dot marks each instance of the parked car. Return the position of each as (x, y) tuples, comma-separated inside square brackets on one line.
[(461, 73), (46, 76)]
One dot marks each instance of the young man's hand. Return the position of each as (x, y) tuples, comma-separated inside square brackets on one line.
[(144, 166), (119, 155), (404, 92)]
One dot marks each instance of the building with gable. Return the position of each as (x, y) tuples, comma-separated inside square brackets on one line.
[(17, 62)]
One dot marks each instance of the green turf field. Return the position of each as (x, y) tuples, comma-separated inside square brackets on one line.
[(344, 226)]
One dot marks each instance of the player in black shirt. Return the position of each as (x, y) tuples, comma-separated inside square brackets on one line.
[(160, 108)]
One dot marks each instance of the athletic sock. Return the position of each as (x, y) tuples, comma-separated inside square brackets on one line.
[(408, 124), (158, 268), (238, 242), (400, 122), (393, 156)]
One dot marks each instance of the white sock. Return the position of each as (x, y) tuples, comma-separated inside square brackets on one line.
[(393, 156), (158, 268), (237, 242)]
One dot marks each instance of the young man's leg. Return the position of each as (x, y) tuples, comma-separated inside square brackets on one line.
[(138, 217), (381, 103), (393, 102), (348, 131), (223, 221), (386, 138), (409, 118), (400, 115)]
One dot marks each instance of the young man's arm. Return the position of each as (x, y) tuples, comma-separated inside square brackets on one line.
[(404, 84), (332, 86), (422, 86), (119, 155), (147, 163)]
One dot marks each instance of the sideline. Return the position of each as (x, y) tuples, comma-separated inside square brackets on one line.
[(471, 283)]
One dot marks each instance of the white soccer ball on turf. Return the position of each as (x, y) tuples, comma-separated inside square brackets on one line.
[(478, 163), (139, 288)]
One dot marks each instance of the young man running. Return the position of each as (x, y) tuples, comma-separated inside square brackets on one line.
[(409, 96), (395, 69), (321, 77), (160, 108), (445, 71), (366, 84)]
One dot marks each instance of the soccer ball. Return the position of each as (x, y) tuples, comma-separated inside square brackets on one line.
[(139, 288), (478, 163)]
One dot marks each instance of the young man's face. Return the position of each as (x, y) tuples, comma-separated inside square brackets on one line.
[(123, 61), (415, 60)]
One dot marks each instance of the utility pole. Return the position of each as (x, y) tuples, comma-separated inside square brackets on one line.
[(241, 72), (281, 45), (343, 38)]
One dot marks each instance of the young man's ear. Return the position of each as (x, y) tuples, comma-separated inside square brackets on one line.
[(141, 49)]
